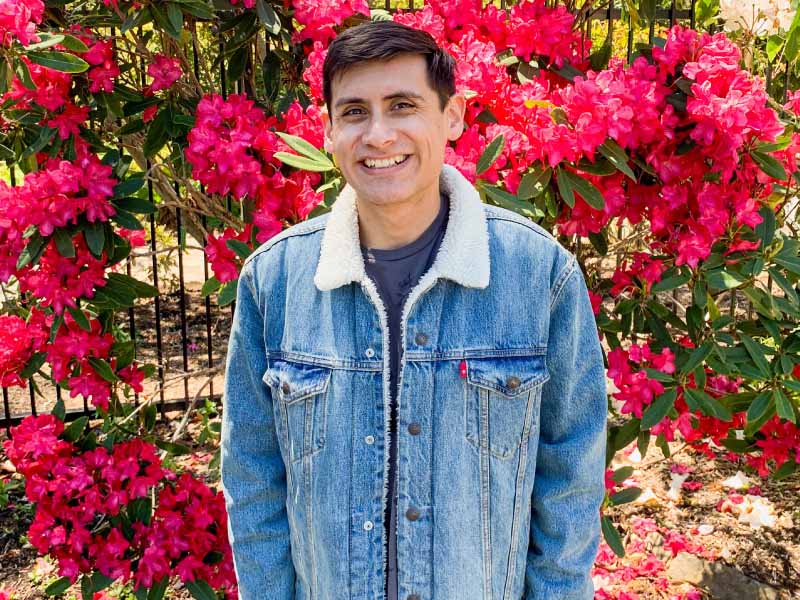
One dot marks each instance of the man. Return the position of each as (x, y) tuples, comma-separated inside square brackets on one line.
[(415, 397)]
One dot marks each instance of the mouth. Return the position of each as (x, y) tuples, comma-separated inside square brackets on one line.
[(385, 169)]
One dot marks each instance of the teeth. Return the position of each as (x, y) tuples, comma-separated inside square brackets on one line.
[(379, 164)]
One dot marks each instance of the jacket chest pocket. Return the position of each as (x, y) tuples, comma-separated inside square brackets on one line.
[(301, 392), (502, 401)]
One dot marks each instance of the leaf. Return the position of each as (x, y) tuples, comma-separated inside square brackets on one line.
[(125, 219), (708, 405), (33, 365), (565, 188), (58, 587), (697, 356), (625, 496), (141, 289), (784, 284), (74, 430), (783, 406), (241, 249), (227, 294), (103, 369), (136, 205), (201, 590), (70, 42), (760, 408), (64, 243), (617, 156), (268, 17), (95, 236), (158, 133), (769, 165), (80, 318), (24, 75), (59, 410), (301, 162), (757, 354), (59, 61), (173, 448), (304, 148), (210, 286), (129, 186), (158, 590), (590, 194), (534, 182), (32, 251), (45, 135), (47, 40), (670, 283), (509, 201), (659, 408), (175, 17), (622, 474), (725, 280), (490, 154), (612, 536)]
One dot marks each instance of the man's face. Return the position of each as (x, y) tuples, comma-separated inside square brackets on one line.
[(387, 110)]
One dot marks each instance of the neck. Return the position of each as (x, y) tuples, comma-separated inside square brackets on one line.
[(386, 227)]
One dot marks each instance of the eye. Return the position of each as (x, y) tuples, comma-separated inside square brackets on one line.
[(349, 112), (408, 104)]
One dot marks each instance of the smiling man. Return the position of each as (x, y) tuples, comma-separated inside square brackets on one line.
[(415, 395)]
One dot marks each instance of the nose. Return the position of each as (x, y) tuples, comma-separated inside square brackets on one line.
[(379, 133)]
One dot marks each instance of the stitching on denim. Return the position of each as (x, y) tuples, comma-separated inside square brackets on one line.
[(305, 228), (560, 284)]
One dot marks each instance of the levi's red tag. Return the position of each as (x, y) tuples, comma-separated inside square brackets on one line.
[(463, 369)]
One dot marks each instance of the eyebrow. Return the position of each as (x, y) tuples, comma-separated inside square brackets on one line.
[(399, 94)]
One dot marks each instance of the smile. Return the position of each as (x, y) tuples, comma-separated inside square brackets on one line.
[(385, 165)]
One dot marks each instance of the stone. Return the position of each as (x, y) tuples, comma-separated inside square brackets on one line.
[(720, 580)]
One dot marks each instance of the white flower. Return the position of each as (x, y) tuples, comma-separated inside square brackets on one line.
[(759, 17), (738, 481)]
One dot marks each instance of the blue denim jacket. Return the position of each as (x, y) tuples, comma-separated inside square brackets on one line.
[(501, 422)]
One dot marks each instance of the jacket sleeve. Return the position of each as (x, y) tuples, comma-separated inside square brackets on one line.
[(252, 470), (569, 486)]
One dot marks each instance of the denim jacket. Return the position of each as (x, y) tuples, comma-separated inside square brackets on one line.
[(501, 416)]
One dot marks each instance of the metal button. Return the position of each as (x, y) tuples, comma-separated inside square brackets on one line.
[(414, 428), (369, 352), (412, 514), (369, 439), (285, 387), (421, 339), (367, 525), (513, 382), (413, 597)]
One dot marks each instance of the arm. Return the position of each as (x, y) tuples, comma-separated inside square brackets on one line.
[(569, 485), (252, 470)]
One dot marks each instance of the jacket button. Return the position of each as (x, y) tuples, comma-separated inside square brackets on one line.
[(413, 597), (421, 339), (513, 382), (367, 525), (285, 387), (414, 428), (369, 352), (369, 439), (412, 514)]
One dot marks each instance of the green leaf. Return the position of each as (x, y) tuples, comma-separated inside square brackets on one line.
[(305, 149), (227, 294), (301, 162), (774, 45), (612, 536), (241, 249), (70, 42), (32, 251), (670, 283), (158, 590), (590, 194), (784, 284), (64, 243), (617, 156), (725, 280), (783, 406), (33, 365), (59, 61), (136, 205), (125, 219), (24, 75), (59, 410), (47, 40), (58, 587), (509, 201), (759, 410), (708, 405), (45, 135), (697, 356), (80, 318), (175, 17), (103, 369), (790, 263), (787, 469), (74, 430), (659, 408), (140, 288), (490, 154), (622, 474), (201, 590), (158, 133), (128, 186), (769, 165), (124, 351), (268, 17), (565, 188), (625, 496), (756, 352), (210, 286), (173, 448), (95, 236), (534, 182)]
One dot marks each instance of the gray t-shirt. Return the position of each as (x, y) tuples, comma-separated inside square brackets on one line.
[(395, 273)]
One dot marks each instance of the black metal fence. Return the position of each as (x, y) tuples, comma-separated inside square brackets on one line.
[(184, 334)]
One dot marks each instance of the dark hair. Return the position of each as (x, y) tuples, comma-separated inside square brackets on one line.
[(382, 40)]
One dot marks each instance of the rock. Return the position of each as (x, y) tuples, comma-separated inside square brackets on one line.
[(721, 581)]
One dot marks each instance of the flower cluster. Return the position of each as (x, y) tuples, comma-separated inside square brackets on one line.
[(635, 388), (18, 20), (318, 17), (758, 17), (165, 70), (93, 510)]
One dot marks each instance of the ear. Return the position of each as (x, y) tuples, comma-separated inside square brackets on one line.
[(327, 128), (454, 113)]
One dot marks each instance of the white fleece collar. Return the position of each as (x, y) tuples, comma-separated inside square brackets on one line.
[(463, 255)]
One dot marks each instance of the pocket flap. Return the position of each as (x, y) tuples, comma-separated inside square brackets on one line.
[(295, 381), (507, 375)]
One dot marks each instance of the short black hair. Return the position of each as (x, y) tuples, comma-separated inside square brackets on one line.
[(382, 40)]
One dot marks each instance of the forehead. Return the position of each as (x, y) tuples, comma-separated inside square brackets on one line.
[(376, 79)]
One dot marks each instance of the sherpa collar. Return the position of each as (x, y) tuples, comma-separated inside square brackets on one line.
[(463, 255)]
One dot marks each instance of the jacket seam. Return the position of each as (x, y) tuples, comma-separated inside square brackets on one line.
[(280, 237), (560, 284)]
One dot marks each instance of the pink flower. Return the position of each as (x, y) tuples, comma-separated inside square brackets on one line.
[(165, 70)]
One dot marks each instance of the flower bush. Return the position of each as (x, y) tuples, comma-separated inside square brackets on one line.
[(672, 177)]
